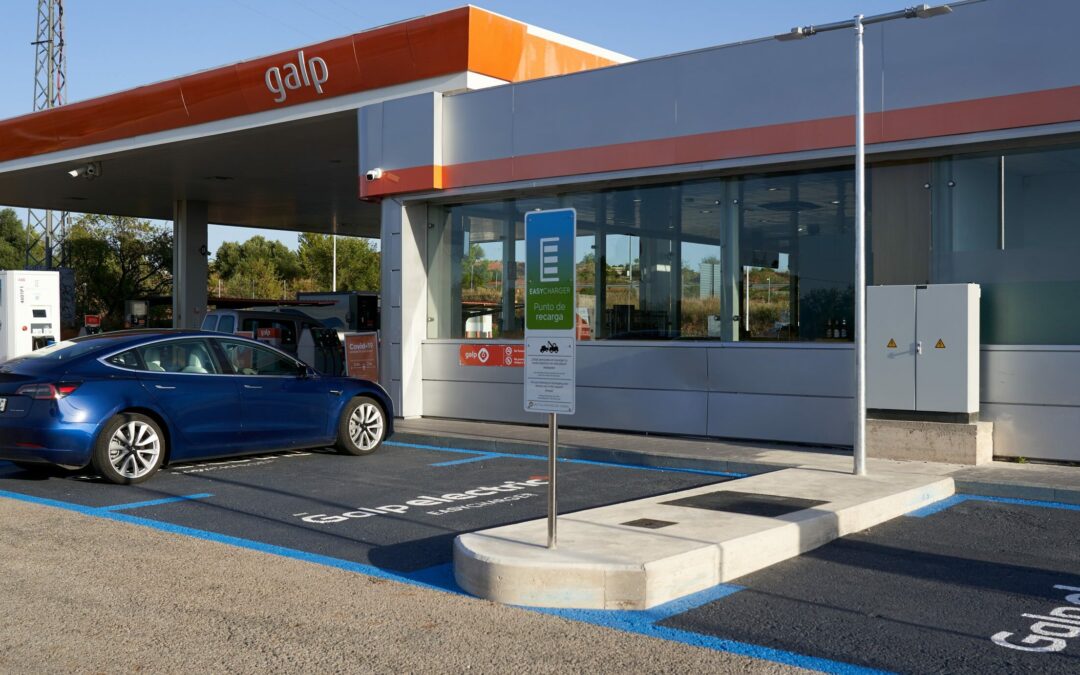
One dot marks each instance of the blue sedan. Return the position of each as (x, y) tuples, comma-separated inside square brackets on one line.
[(129, 402)]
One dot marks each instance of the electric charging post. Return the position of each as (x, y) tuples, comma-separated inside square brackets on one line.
[(550, 340)]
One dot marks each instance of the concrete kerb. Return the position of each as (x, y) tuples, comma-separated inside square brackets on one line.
[(603, 562)]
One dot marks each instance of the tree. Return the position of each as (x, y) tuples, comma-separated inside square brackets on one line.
[(12, 241), (231, 256), (116, 259), (358, 262), (474, 269)]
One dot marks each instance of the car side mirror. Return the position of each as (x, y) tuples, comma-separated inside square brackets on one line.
[(304, 371)]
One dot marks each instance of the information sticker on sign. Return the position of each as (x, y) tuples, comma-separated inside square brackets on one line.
[(550, 315)]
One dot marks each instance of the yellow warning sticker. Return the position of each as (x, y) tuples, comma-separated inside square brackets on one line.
[(940, 344), (891, 345)]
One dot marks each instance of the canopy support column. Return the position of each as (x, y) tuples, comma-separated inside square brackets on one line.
[(190, 256)]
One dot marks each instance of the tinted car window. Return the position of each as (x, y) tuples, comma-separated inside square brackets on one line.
[(210, 322), (249, 359), (227, 324), (179, 356), (128, 359)]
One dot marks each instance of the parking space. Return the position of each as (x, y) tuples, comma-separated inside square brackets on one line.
[(397, 510), (983, 586), (972, 584)]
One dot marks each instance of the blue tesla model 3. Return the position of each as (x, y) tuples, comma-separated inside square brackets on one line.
[(129, 402)]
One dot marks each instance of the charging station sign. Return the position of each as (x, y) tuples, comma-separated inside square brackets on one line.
[(550, 312)]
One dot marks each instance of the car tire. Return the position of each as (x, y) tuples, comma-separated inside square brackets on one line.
[(129, 450), (362, 427)]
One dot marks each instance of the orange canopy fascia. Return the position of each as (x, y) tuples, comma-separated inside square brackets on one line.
[(461, 40)]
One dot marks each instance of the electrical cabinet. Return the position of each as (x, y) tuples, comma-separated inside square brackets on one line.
[(922, 348), (29, 311)]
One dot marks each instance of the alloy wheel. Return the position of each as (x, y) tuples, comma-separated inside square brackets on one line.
[(366, 426), (134, 449)]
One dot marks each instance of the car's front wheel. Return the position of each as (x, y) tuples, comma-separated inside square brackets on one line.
[(362, 427), (129, 450)]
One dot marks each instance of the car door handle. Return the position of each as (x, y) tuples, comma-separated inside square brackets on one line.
[(163, 386), (252, 386)]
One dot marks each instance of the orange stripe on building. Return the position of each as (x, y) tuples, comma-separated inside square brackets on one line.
[(1003, 112)]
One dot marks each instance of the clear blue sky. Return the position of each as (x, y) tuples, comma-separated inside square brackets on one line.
[(118, 44)]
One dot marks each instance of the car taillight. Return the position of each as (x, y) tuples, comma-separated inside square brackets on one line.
[(47, 391)]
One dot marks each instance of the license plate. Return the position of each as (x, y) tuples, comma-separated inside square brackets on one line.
[(3, 404)]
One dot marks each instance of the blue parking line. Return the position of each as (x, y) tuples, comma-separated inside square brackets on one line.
[(938, 507), (645, 622), (481, 455), (155, 502), (453, 462)]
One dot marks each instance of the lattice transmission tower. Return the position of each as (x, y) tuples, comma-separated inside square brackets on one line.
[(46, 230)]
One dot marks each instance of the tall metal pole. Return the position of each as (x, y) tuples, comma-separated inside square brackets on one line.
[(553, 451), (46, 231), (334, 282), (860, 257)]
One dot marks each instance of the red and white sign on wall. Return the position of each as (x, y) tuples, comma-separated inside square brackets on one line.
[(271, 336), (362, 355), (92, 320), (507, 356)]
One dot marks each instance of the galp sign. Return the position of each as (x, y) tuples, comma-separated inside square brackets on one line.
[(311, 72)]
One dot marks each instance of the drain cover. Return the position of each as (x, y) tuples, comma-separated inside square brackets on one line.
[(746, 503), (649, 523)]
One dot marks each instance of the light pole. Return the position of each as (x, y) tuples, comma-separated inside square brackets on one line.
[(799, 32)]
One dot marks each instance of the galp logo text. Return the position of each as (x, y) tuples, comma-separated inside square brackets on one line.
[(311, 72)]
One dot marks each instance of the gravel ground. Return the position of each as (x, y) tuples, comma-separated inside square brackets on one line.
[(82, 594)]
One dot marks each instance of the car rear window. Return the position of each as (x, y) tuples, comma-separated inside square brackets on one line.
[(68, 350)]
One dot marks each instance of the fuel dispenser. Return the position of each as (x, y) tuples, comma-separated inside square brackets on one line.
[(321, 349), (29, 311)]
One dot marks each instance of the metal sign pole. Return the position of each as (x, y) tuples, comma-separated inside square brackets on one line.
[(553, 452), (550, 332), (860, 257)]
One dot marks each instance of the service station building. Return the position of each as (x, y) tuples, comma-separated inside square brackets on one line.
[(714, 193)]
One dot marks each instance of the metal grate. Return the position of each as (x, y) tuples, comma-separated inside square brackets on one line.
[(649, 523), (746, 503)]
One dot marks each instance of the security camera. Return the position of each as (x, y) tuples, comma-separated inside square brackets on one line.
[(374, 174), (89, 171)]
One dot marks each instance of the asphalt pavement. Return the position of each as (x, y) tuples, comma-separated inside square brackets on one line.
[(304, 561)]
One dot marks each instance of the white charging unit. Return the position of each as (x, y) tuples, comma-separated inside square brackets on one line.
[(29, 311)]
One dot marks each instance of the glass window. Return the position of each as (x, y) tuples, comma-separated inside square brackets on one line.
[(248, 359), (756, 258), (179, 356), (227, 324), (1010, 221), (128, 359), (210, 322), (796, 254)]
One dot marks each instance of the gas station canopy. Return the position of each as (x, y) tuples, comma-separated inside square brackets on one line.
[(270, 142)]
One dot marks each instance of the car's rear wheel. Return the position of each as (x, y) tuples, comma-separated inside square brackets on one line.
[(129, 450), (362, 427)]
